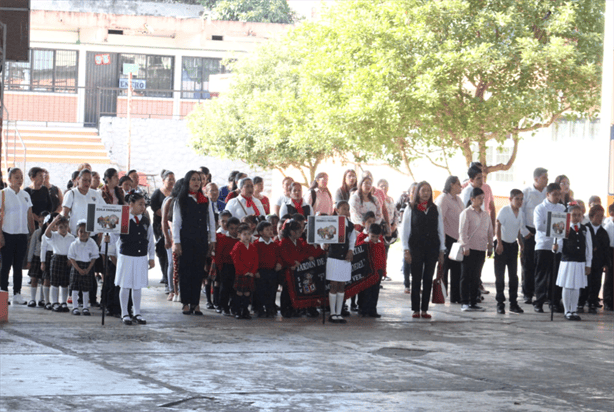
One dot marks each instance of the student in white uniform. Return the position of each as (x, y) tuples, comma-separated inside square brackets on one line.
[(509, 223), (82, 254), (576, 261), (77, 199), (60, 240), (133, 255)]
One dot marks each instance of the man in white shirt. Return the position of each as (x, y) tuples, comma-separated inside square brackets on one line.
[(509, 223), (245, 204), (532, 196), (544, 258)]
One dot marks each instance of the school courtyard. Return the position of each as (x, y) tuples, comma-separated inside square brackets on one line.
[(454, 362)]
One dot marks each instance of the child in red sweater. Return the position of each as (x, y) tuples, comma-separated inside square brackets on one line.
[(292, 252), (377, 263), (245, 258), (269, 264), (225, 270)]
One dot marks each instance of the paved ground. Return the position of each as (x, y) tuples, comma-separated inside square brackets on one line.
[(455, 362)]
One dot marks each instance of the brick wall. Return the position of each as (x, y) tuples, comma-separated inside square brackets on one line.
[(147, 108), (41, 107)]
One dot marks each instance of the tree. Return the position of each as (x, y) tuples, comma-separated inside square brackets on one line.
[(264, 119), (261, 11), (400, 79)]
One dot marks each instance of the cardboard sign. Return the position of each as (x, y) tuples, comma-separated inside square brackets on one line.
[(108, 219), (558, 224), (326, 229), (308, 287)]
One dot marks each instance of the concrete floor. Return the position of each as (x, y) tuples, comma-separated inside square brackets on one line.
[(454, 362)]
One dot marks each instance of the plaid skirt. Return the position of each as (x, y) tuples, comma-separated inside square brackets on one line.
[(47, 271), (244, 284), (35, 268), (175, 269), (79, 282), (60, 271)]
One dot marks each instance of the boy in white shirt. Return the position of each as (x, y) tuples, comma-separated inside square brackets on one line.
[(509, 222), (82, 254)]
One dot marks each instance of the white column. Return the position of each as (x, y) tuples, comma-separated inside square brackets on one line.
[(81, 83), (177, 86)]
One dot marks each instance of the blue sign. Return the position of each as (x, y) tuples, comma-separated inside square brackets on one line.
[(136, 84)]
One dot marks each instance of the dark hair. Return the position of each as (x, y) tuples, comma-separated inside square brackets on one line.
[(451, 180), (474, 171), (314, 185), (263, 225), (108, 174), (34, 171), (233, 221), (553, 187), (84, 172), (375, 229), (46, 225), (289, 225), (271, 219), (250, 219), (593, 199), (177, 188), (298, 217), (429, 202), (243, 227), (360, 192), (238, 177), (63, 220), (286, 216), (611, 209), (124, 179), (558, 181), (368, 215), (515, 192), (13, 170), (339, 204), (538, 172), (134, 196), (344, 187), (594, 210), (475, 193), (225, 213), (182, 197), (232, 175), (411, 192), (164, 174), (574, 206), (131, 171), (257, 180), (204, 170)]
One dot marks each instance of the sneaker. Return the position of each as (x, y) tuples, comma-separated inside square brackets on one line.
[(19, 300), (501, 309), (465, 308), (516, 309), (477, 308)]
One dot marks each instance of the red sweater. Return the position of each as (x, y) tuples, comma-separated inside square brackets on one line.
[(377, 253), (289, 252), (223, 247), (268, 255), (244, 259)]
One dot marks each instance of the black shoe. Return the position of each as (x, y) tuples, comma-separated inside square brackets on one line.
[(261, 314), (312, 313), (580, 309), (574, 316), (538, 309), (375, 315), (341, 320), (139, 319), (528, 301), (198, 313), (569, 316), (514, 308), (226, 313), (32, 304), (558, 309), (56, 307), (76, 312), (598, 305), (592, 309), (189, 311), (345, 312), (333, 319), (95, 304), (163, 281), (218, 310), (246, 314), (501, 309), (354, 308), (238, 316), (86, 312), (209, 305), (64, 307), (286, 313), (126, 320), (41, 303), (476, 308), (607, 307), (48, 306), (109, 313)]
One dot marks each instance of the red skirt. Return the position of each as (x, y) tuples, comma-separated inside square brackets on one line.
[(244, 284)]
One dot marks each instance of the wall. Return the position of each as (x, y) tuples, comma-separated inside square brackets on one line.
[(41, 107), (163, 144)]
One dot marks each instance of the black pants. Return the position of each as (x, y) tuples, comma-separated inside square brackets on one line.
[(192, 270), (608, 285), (13, 254), (545, 274), (369, 297), (590, 293), (110, 293), (454, 267), (508, 258), (227, 280), (471, 274), (527, 259), (423, 261), (406, 273), (266, 290), (162, 258)]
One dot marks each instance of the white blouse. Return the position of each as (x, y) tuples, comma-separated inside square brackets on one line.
[(16, 206)]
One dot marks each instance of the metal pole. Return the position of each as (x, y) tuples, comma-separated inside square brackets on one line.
[(103, 300), (129, 121)]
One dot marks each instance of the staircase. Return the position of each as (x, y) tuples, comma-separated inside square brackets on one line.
[(69, 144)]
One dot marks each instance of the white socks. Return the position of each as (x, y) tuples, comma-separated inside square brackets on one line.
[(570, 300), (136, 301), (124, 296), (63, 294), (339, 303), (332, 299), (54, 294), (33, 293), (86, 300), (75, 299), (45, 290)]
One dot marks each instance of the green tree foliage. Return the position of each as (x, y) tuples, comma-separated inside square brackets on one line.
[(261, 11), (399, 78), (264, 119)]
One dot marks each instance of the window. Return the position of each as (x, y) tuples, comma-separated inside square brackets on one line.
[(195, 72), (157, 71), (48, 71), (496, 155)]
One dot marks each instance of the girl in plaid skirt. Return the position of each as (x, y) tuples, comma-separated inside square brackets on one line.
[(34, 265), (82, 253), (245, 258), (60, 240), (46, 253)]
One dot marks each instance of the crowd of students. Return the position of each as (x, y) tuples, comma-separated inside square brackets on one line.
[(238, 247)]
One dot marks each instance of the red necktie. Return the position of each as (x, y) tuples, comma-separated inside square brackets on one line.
[(298, 204), (575, 227), (250, 203), (136, 219)]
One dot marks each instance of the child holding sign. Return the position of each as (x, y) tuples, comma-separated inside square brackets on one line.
[(339, 264), (577, 255)]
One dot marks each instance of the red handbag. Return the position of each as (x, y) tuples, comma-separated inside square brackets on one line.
[(439, 289)]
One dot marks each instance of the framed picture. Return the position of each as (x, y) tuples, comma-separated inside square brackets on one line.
[(108, 219), (558, 224), (326, 229)]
